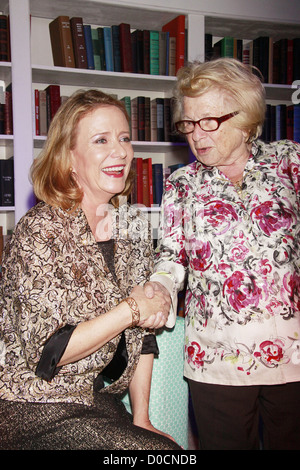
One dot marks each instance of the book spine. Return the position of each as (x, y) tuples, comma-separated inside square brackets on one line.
[(172, 56), (154, 52), (61, 42), (146, 51), (78, 43), (36, 112), (53, 101), (102, 48), (141, 118), (8, 112), (134, 119), (109, 60), (163, 53), (125, 48), (115, 33), (43, 112), (7, 182), (147, 119), (4, 39), (89, 46)]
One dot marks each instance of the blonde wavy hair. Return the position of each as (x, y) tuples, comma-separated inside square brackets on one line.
[(51, 171), (238, 81)]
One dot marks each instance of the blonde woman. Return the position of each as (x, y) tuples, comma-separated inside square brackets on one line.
[(74, 326)]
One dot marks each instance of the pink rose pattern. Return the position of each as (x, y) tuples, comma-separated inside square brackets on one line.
[(242, 253)]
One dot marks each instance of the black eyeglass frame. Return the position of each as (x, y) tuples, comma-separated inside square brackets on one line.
[(219, 121)]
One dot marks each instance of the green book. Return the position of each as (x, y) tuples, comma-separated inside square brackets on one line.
[(154, 52), (96, 48)]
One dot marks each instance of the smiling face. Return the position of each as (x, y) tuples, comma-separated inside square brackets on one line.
[(224, 147), (103, 153)]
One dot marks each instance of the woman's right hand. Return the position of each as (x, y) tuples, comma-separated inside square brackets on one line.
[(153, 311)]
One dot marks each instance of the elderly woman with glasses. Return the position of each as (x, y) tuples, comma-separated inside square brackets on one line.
[(230, 231)]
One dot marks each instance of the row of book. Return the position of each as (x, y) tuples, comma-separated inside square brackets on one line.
[(46, 104), (282, 122), (150, 119), (7, 198), (278, 61), (118, 48)]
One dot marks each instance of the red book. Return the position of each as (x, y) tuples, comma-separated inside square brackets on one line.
[(125, 48), (53, 101), (37, 111), (290, 62), (176, 29), (147, 182)]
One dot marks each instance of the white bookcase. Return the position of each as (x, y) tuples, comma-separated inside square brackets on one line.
[(32, 66)]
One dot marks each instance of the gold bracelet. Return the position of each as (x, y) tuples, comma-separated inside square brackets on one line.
[(135, 312)]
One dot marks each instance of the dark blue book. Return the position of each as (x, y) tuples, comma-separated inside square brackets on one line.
[(297, 123), (89, 46), (115, 33), (157, 172), (109, 60)]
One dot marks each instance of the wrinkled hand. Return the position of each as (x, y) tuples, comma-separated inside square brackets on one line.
[(154, 305)]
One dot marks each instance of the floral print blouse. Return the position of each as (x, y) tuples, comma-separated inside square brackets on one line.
[(238, 250), (54, 277)]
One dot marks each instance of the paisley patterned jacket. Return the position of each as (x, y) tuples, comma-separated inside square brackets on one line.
[(54, 275), (239, 251)]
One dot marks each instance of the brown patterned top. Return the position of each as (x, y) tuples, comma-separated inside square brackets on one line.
[(54, 274)]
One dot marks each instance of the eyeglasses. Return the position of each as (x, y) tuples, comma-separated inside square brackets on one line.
[(208, 124)]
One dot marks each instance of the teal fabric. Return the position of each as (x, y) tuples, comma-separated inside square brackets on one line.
[(169, 390)]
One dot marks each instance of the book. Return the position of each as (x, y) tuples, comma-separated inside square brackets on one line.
[(96, 48), (147, 182), (157, 172), (153, 121), (36, 112), (137, 189), (157, 118), (109, 60), (87, 30), (79, 48), (147, 119), (141, 117), (154, 53), (4, 39), (290, 122), (137, 51), (53, 101), (43, 127), (7, 182), (8, 111), (172, 56), (127, 103), (176, 28), (163, 52), (134, 119), (146, 51), (61, 42), (102, 48), (125, 48), (167, 119), (115, 34)]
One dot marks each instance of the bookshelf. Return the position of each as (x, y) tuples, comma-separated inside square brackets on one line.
[(32, 66)]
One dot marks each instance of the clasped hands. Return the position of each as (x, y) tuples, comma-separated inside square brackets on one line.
[(154, 304)]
